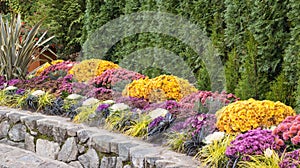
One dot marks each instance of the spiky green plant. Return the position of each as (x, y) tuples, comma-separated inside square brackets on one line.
[(19, 50), (44, 100), (175, 140), (213, 155), (139, 128)]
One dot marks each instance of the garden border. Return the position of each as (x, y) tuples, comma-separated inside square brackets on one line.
[(83, 146)]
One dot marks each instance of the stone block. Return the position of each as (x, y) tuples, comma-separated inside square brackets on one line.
[(4, 128), (90, 159), (14, 117), (47, 148), (29, 142), (17, 133), (69, 150)]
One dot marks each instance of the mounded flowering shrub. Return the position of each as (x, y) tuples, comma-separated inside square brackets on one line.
[(132, 101), (112, 77), (288, 132), (201, 96), (242, 116), (161, 88), (253, 142), (291, 159), (171, 105), (85, 70), (105, 65), (62, 66), (89, 69), (46, 65)]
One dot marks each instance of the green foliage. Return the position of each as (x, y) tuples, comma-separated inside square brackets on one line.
[(64, 19), (175, 140), (258, 161), (291, 58), (232, 71), (140, 126), (44, 100), (84, 113), (213, 155), (252, 81), (18, 50)]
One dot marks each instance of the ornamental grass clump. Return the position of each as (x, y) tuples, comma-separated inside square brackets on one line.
[(114, 77), (161, 88), (253, 142), (288, 133), (242, 116)]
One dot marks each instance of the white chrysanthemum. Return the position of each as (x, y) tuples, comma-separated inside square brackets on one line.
[(158, 112), (74, 97), (216, 136), (268, 153), (38, 93), (10, 88), (119, 107), (108, 102), (90, 101)]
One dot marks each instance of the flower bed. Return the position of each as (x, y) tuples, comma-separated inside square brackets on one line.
[(217, 128)]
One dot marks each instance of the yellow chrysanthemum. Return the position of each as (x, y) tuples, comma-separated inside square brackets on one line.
[(161, 88), (249, 114), (85, 70), (105, 65), (89, 69)]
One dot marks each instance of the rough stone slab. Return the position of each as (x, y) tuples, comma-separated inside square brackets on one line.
[(12, 157), (4, 128), (59, 133), (12, 143), (72, 130), (69, 150), (45, 126), (47, 148), (3, 114), (84, 135), (89, 159), (108, 162), (17, 133), (102, 143), (75, 164), (15, 117), (31, 121), (29, 142)]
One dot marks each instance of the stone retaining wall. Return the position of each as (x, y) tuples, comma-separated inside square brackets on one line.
[(81, 146)]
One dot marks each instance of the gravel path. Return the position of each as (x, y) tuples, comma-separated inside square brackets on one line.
[(12, 157)]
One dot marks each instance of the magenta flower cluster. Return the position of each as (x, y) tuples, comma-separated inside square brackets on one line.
[(190, 100), (171, 105), (253, 142), (195, 123), (291, 160), (288, 132), (64, 66), (155, 122), (139, 103), (111, 77)]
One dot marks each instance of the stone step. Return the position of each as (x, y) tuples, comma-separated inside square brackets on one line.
[(13, 157)]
